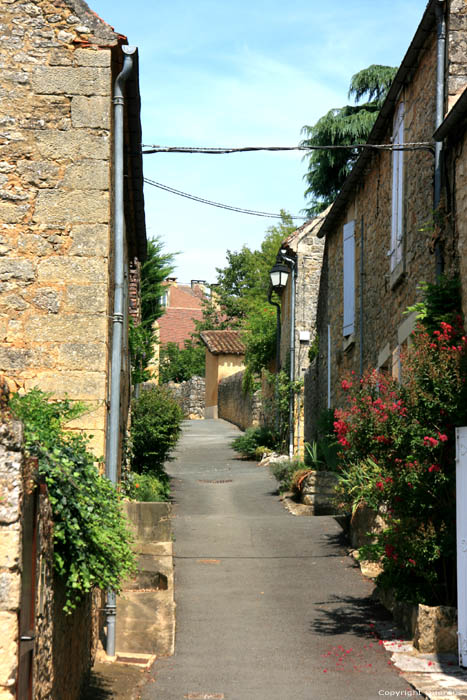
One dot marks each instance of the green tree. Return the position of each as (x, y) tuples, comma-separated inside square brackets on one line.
[(242, 285), (180, 364), (155, 269), (327, 170), (157, 266)]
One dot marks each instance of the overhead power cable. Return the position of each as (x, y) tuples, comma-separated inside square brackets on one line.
[(240, 210), (416, 146)]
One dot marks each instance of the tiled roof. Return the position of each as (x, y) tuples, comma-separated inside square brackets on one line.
[(177, 325), (183, 296), (223, 342)]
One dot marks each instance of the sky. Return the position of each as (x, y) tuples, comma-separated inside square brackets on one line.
[(243, 73)]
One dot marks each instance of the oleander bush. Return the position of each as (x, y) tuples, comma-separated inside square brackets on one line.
[(397, 456)]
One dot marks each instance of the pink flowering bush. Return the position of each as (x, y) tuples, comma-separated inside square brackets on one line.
[(398, 457)]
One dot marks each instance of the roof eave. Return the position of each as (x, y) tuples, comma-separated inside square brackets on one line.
[(456, 116)]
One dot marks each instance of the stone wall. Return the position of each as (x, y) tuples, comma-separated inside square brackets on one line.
[(64, 645), (191, 395), (55, 201), (11, 467), (237, 407), (307, 249), (457, 50), (457, 175)]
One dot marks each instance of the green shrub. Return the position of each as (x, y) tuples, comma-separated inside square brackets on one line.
[(253, 438), (155, 428), (146, 487), (92, 545), (180, 364), (284, 472)]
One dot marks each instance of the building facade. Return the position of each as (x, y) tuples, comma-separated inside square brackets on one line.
[(59, 65), (391, 226)]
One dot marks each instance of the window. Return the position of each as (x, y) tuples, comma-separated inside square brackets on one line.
[(349, 278), (397, 230)]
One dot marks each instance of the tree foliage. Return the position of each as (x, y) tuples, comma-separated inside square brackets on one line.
[(240, 298), (242, 285), (155, 428), (327, 170), (157, 266), (180, 364), (155, 269)]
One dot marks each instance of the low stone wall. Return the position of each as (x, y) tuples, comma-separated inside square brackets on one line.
[(318, 490), (236, 407), (146, 608), (191, 395)]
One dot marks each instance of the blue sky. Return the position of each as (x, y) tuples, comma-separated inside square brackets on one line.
[(241, 73)]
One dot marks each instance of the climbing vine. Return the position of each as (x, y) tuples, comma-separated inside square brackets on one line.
[(91, 538)]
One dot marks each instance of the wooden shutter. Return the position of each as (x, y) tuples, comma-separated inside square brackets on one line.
[(349, 277)]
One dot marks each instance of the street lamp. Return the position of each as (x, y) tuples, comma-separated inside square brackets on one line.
[(279, 275)]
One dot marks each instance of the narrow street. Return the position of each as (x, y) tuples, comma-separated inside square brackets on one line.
[(269, 606)]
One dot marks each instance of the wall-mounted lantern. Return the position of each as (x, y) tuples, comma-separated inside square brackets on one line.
[(279, 275)]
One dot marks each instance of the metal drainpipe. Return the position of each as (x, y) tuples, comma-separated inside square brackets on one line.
[(440, 70), (291, 262), (118, 314)]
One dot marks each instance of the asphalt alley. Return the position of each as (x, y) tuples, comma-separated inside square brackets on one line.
[(269, 605)]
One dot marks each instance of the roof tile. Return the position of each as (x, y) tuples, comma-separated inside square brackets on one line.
[(223, 342)]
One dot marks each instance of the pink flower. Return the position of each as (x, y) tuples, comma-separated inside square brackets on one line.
[(434, 468), (390, 552), (379, 485), (383, 439), (442, 437), (430, 441), (412, 561), (346, 385)]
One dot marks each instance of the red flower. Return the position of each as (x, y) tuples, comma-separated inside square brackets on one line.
[(434, 468), (430, 441), (412, 561), (442, 437), (379, 485), (346, 385)]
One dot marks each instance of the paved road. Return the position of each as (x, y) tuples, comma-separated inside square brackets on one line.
[(269, 607)]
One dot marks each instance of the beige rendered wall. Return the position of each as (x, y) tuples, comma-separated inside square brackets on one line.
[(211, 384), (55, 210), (218, 367)]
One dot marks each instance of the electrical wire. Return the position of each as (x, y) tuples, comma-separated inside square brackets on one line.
[(239, 210), (415, 146)]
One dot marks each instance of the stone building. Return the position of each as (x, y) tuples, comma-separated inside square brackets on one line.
[(66, 194), (381, 236), (59, 65), (453, 134), (304, 249)]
